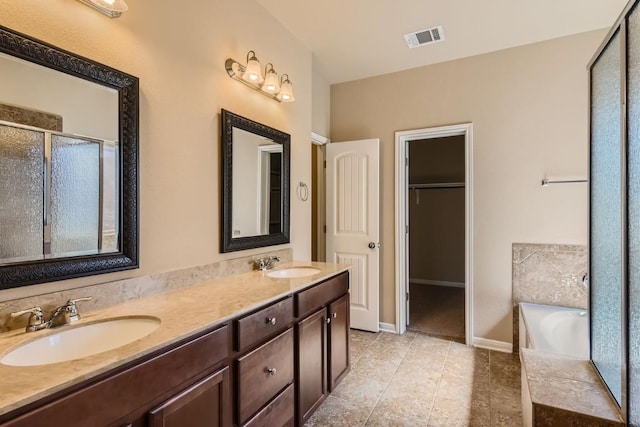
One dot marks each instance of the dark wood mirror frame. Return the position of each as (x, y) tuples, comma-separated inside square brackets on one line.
[(48, 270), (227, 242)]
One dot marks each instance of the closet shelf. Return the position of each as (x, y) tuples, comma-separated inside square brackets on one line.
[(436, 185)]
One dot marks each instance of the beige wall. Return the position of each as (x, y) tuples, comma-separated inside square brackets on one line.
[(529, 107), (31, 86), (320, 124), (321, 97), (178, 52)]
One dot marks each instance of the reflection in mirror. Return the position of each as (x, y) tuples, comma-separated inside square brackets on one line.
[(59, 194), (68, 164), (257, 181), (255, 211)]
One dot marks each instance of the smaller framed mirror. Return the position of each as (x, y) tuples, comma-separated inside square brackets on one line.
[(255, 184)]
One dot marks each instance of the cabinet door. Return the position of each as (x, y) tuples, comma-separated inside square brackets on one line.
[(312, 366), (338, 352), (203, 404)]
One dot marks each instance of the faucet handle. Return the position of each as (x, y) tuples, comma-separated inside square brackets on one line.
[(261, 263), (36, 318), (72, 309), (32, 310)]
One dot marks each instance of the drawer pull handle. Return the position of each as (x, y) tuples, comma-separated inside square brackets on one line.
[(271, 320), (335, 315), (271, 371)]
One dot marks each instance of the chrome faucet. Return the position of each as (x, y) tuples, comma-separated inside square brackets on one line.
[(266, 263), (65, 314)]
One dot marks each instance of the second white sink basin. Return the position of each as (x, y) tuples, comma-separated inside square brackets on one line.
[(81, 341), (289, 273)]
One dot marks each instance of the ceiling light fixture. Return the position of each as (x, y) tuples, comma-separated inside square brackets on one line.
[(111, 8), (251, 75)]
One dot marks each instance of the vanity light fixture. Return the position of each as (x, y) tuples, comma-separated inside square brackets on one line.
[(251, 75), (111, 8)]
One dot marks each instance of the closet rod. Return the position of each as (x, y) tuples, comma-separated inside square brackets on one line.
[(436, 185)]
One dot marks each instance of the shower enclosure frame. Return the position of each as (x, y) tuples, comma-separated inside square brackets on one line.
[(620, 29)]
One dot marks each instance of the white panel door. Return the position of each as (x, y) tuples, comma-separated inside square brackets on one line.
[(353, 223)]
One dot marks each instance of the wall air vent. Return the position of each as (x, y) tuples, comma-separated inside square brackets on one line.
[(424, 37)]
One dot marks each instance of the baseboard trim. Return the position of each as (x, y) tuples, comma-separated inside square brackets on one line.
[(387, 327), (502, 346), (437, 283)]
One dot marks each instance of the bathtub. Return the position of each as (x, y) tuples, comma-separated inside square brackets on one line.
[(555, 329)]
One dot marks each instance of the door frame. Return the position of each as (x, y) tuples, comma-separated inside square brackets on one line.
[(402, 139)]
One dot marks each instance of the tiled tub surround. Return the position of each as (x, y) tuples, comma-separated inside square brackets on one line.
[(563, 390), (560, 389), (119, 291), (183, 313), (547, 274)]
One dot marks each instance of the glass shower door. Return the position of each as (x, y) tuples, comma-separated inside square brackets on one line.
[(75, 196), (606, 217), (633, 213), (21, 190)]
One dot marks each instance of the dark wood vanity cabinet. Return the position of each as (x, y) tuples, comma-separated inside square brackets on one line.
[(172, 384), (271, 367), (323, 342)]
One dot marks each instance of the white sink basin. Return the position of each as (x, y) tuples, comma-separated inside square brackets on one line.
[(82, 341), (289, 273)]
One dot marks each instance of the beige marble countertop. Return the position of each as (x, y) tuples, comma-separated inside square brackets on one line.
[(182, 313)]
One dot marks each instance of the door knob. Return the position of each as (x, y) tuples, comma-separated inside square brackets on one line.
[(372, 245)]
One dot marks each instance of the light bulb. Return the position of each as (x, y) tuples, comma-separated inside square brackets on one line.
[(253, 72), (271, 84)]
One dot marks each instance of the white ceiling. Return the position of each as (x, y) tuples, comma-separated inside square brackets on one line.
[(354, 39)]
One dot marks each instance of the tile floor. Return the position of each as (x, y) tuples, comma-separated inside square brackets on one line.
[(418, 380)]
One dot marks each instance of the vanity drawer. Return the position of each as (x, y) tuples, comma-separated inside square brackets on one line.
[(255, 327), (263, 373), (320, 295), (280, 412)]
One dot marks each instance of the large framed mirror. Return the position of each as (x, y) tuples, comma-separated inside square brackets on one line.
[(255, 184), (68, 164)]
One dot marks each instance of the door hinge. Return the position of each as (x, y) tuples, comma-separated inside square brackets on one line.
[(324, 228), (406, 229), (407, 295), (406, 161), (325, 164)]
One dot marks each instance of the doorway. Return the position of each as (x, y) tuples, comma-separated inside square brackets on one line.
[(318, 179), (433, 239)]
